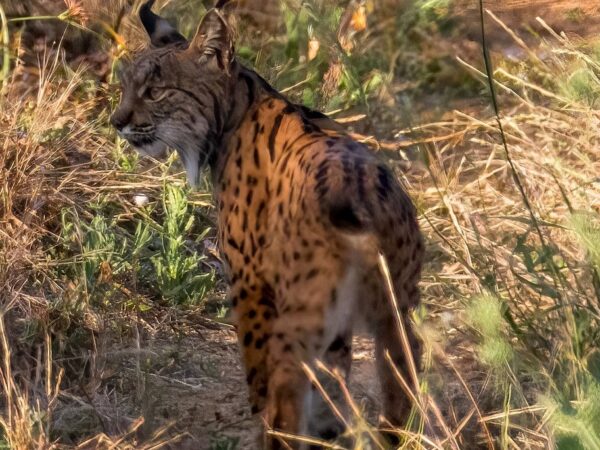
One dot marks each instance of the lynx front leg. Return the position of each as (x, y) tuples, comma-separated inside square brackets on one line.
[(302, 334), (255, 314), (288, 384), (294, 406)]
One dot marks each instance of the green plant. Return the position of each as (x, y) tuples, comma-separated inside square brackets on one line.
[(485, 313), (127, 161), (179, 274), (221, 442), (583, 85), (577, 424), (586, 227)]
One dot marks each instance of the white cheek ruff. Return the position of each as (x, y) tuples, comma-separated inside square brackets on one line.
[(191, 160), (187, 147), (156, 150)]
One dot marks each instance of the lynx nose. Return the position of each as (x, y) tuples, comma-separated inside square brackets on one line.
[(121, 118)]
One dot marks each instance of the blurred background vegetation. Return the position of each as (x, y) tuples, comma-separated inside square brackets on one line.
[(114, 329)]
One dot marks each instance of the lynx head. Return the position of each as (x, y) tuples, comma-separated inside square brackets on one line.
[(174, 92)]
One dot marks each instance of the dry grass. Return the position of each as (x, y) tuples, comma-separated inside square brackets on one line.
[(511, 288), (58, 156)]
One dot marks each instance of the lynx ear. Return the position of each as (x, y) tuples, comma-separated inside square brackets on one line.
[(214, 39), (160, 31)]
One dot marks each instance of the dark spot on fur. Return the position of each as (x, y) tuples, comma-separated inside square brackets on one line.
[(258, 344), (344, 217), (251, 374), (266, 301), (261, 207), (338, 343), (289, 109), (328, 434), (233, 244), (256, 157), (312, 273), (384, 183), (273, 135)]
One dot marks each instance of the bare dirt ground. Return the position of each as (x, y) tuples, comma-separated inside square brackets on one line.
[(194, 384), (188, 378)]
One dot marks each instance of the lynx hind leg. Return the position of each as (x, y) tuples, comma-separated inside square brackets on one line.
[(323, 423), (396, 404), (382, 322)]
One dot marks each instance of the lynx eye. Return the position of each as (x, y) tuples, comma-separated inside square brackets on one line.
[(154, 93)]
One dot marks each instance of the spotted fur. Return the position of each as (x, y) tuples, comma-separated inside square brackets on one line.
[(303, 211)]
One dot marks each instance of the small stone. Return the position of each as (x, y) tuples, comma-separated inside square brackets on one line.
[(140, 200)]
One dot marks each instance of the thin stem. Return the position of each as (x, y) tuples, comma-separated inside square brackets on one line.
[(29, 18), (5, 48), (513, 169)]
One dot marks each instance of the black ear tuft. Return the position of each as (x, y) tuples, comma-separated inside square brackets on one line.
[(221, 3), (160, 31)]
